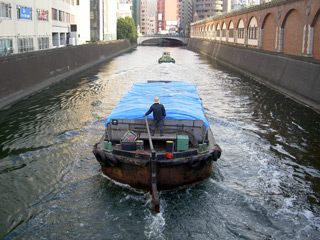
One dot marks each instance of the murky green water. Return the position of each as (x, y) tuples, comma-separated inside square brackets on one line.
[(265, 186)]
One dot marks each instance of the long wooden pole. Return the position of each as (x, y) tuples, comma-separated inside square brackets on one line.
[(155, 194), (149, 135)]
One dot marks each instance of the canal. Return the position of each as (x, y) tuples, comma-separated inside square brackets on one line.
[(265, 186)]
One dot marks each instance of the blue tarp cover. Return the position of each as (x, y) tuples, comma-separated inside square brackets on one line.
[(180, 99)]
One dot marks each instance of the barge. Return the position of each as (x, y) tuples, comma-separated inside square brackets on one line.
[(166, 58), (182, 155)]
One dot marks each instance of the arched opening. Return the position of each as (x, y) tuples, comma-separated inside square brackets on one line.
[(231, 32), (316, 36), (162, 42), (218, 33), (269, 27), (253, 32), (224, 32), (240, 30), (212, 32), (292, 33)]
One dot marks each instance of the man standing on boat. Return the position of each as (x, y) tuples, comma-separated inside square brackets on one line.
[(159, 114)]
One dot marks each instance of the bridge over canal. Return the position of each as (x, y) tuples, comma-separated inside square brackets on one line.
[(173, 38)]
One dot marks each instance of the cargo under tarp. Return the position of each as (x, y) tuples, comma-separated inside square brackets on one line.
[(180, 99)]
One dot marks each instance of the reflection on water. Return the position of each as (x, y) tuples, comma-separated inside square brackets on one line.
[(265, 186)]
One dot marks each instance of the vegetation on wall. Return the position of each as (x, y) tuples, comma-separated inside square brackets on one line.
[(126, 29)]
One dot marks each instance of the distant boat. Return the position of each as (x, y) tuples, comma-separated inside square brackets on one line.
[(166, 58), (184, 155)]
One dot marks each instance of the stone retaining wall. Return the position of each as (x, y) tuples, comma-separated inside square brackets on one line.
[(297, 78), (24, 74)]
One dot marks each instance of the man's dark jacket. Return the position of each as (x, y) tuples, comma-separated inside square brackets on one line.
[(158, 111)]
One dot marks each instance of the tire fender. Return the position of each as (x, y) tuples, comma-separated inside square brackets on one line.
[(112, 161), (216, 155), (207, 159), (101, 157), (194, 162)]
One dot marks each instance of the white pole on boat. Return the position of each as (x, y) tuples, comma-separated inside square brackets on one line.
[(155, 194)]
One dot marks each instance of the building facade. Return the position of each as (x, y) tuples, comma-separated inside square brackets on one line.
[(24, 26), (239, 4), (143, 16), (62, 16), (167, 16), (109, 15), (151, 24), (206, 8), (185, 16), (124, 9), (31, 25), (136, 11)]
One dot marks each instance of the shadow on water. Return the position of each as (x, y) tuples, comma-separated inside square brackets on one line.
[(265, 186)]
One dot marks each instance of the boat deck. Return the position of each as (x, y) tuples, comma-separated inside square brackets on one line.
[(166, 136)]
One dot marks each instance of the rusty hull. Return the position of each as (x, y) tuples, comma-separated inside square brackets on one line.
[(169, 176)]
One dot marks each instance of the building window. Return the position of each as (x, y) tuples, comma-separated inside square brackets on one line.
[(43, 43), (241, 33), (224, 33), (253, 32), (25, 45), (231, 33), (24, 13), (54, 14), (5, 10), (67, 17), (6, 47), (61, 16)]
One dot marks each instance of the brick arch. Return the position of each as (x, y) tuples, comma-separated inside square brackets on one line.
[(269, 26), (224, 31), (213, 29), (316, 36), (218, 33), (218, 25), (240, 20), (250, 19), (252, 31), (229, 24), (231, 31), (292, 33)]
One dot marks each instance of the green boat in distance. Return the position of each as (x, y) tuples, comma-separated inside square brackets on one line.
[(166, 58)]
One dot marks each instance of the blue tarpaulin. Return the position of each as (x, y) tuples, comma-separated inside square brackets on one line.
[(180, 99)]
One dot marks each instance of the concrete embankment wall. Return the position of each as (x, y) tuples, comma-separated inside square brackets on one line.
[(24, 74), (293, 76)]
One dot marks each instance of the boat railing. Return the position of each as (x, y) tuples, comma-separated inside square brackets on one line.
[(194, 128)]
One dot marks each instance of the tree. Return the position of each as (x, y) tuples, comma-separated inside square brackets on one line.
[(126, 29)]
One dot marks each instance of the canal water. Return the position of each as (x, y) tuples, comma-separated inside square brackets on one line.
[(265, 186)]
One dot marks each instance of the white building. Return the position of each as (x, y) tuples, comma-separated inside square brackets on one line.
[(30, 25), (144, 17), (63, 14), (124, 9), (110, 20), (238, 4), (96, 20), (24, 26), (151, 24), (82, 31)]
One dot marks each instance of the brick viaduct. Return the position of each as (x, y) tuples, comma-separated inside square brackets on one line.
[(286, 26)]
